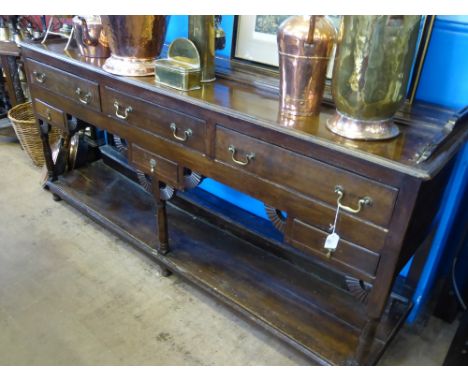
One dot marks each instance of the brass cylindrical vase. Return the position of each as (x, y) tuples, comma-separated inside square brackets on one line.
[(135, 43), (304, 46), (202, 34), (371, 73)]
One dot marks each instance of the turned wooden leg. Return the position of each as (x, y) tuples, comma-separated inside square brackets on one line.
[(12, 81), (161, 218), (44, 129), (165, 272), (366, 340)]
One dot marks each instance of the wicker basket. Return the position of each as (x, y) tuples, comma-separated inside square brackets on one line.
[(24, 122)]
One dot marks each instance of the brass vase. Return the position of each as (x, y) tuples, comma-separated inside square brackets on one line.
[(135, 43), (371, 73), (202, 34), (304, 44)]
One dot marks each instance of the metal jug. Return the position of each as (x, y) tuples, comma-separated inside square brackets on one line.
[(371, 73), (304, 45), (90, 37), (135, 43)]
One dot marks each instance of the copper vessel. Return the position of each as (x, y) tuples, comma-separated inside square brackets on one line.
[(135, 43), (304, 44), (90, 37), (371, 73)]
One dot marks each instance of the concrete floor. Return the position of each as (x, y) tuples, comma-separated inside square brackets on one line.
[(71, 293)]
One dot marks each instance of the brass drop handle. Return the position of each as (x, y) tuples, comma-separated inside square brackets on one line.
[(49, 116), (40, 77), (364, 201), (83, 99), (152, 163), (248, 157), (187, 133), (127, 110)]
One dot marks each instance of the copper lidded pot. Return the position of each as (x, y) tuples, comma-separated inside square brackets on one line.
[(89, 37), (370, 77), (135, 43), (304, 44)]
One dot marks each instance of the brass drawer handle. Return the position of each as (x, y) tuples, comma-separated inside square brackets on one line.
[(83, 99), (248, 157), (49, 116), (152, 163), (187, 133), (365, 201), (127, 110), (39, 77)]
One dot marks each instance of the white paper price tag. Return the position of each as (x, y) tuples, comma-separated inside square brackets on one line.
[(332, 241)]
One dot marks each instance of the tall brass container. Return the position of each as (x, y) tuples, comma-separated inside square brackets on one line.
[(135, 43), (371, 73), (202, 34), (304, 44)]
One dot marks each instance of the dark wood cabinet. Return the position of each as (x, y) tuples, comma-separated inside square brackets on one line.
[(233, 132)]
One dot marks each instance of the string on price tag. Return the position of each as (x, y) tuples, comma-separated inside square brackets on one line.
[(331, 242)]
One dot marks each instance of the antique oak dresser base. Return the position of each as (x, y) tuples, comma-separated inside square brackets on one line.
[(232, 132), (296, 307)]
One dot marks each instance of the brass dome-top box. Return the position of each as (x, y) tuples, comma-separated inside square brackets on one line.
[(181, 69)]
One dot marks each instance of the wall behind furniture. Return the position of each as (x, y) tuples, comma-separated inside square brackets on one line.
[(444, 79)]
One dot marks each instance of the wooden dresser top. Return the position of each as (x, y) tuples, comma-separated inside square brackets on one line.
[(420, 124)]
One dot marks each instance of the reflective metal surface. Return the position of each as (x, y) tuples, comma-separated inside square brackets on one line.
[(371, 74), (181, 69), (89, 37), (135, 43), (202, 34), (364, 201), (361, 129), (304, 44), (4, 34)]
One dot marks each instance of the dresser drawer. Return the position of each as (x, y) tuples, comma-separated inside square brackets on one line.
[(170, 124), (148, 162), (64, 84), (308, 176), (348, 257), (50, 114)]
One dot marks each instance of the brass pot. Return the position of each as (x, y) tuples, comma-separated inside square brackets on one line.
[(90, 37), (304, 45), (135, 43), (371, 73)]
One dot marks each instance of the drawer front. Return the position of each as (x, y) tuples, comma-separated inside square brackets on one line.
[(50, 114), (64, 84), (348, 257), (316, 213), (167, 123), (308, 176), (149, 162)]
